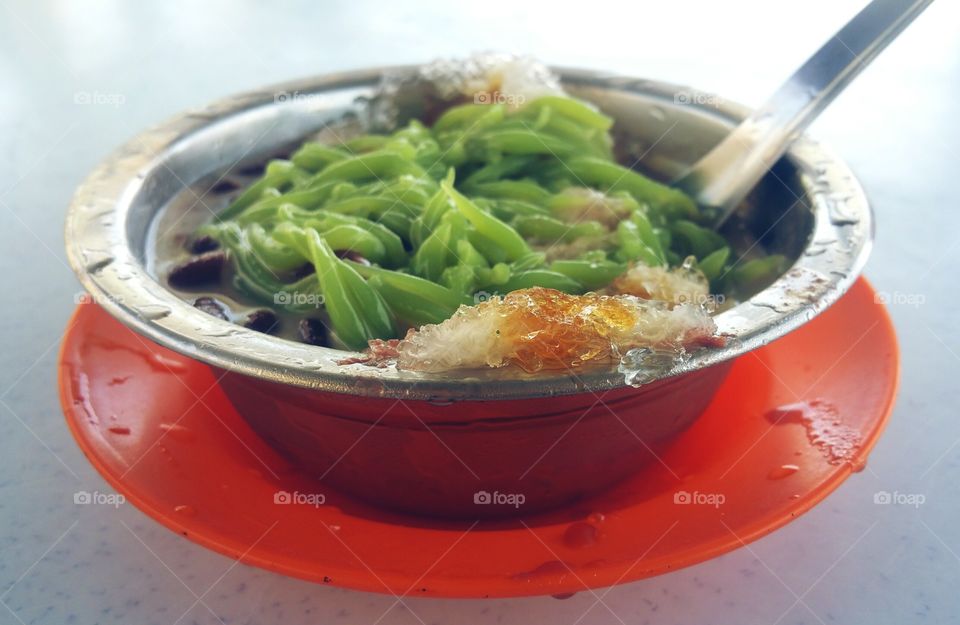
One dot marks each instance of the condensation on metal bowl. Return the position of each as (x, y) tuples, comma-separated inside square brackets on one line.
[(810, 208)]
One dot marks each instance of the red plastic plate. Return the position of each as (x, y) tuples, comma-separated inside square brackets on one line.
[(159, 429)]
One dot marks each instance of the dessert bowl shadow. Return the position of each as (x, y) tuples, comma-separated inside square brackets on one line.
[(461, 444)]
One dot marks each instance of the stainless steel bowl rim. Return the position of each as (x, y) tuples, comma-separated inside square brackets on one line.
[(99, 252)]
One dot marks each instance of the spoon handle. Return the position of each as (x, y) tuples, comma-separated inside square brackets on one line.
[(723, 177)]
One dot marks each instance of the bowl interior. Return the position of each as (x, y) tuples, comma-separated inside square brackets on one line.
[(656, 139)]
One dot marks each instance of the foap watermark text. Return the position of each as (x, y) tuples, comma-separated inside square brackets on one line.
[(296, 498), (496, 498), (696, 498)]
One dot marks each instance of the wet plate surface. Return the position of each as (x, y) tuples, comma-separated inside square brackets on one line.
[(793, 420)]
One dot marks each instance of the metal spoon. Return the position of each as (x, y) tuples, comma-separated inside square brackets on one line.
[(720, 180)]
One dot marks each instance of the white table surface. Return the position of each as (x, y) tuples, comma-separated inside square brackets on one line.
[(847, 561)]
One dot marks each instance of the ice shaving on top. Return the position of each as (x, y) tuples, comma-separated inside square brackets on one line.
[(543, 329)]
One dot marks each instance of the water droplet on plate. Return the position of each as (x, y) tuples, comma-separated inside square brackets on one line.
[(579, 535), (597, 518), (784, 470), (176, 431), (824, 427), (547, 569), (165, 364)]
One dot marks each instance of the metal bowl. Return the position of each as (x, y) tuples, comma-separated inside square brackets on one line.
[(809, 208)]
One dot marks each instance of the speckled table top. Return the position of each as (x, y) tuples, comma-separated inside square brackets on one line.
[(80, 77)]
